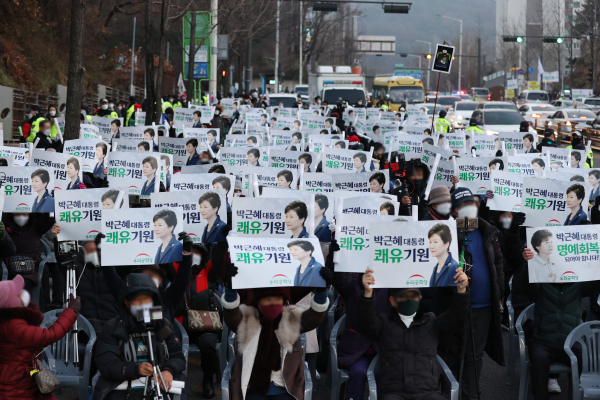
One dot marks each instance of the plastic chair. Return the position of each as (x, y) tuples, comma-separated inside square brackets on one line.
[(4, 272), (586, 386), (513, 343), (54, 355), (448, 379), (557, 368), (185, 344), (338, 376), (35, 293), (330, 324), (590, 315)]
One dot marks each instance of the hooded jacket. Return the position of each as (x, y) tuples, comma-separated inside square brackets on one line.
[(111, 359), (21, 338)]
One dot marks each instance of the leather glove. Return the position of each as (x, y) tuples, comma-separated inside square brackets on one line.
[(334, 246), (75, 304), (518, 219), (99, 239), (2, 231), (489, 195), (230, 271), (187, 241), (327, 275)]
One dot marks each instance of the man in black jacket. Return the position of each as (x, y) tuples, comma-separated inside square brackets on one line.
[(408, 339), (7, 247), (122, 352), (548, 140), (484, 264)]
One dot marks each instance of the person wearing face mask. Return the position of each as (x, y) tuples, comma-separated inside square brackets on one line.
[(485, 269), (25, 231), (22, 338), (578, 144), (267, 332), (439, 203), (409, 337), (32, 124), (105, 111), (418, 174), (204, 281), (51, 116), (45, 140), (217, 121), (122, 348)]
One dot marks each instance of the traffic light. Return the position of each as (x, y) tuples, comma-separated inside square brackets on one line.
[(223, 73), (326, 7), (396, 8), (514, 39), (553, 39), (428, 56), (590, 75)]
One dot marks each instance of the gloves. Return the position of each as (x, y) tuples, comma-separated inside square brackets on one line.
[(75, 304), (230, 271), (518, 219), (489, 194), (187, 241), (2, 231), (99, 239), (332, 227), (334, 246), (326, 274)]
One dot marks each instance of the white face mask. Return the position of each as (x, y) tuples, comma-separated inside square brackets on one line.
[(25, 297), (21, 220), (52, 113), (156, 281), (196, 259), (443, 209), (92, 258), (111, 106), (104, 106), (47, 132), (217, 112), (134, 309), (468, 212), (505, 222), (29, 115)]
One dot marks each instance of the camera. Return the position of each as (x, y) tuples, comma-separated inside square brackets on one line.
[(148, 315), (68, 248)]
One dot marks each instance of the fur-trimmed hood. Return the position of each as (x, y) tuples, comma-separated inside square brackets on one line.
[(31, 314)]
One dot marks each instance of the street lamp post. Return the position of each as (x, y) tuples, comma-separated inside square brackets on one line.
[(428, 62), (460, 45), (419, 57)]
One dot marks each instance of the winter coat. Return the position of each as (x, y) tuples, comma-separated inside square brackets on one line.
[(557, 305), (408, 356), (7, 247), (110, 353), (312, 343), (495, 261), (21, 338), (244, 321), (27, 238)]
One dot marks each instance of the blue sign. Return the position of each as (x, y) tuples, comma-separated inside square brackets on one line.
[(530, 70), (416, 74), (521, 71), (200, 70)]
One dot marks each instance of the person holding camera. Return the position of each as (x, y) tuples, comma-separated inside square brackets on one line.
[(122, 349), (413, 190)]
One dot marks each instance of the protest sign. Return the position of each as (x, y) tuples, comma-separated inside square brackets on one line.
[(554, 203), (67, 168), (429, 153), (413, 254), (443, 58), (240, 157), (176, 147), (141, 236), (508, 191), (204, 182), (133, 132), (129, 145), (288, 112), (564, 254), (104, 127), (243, 141), (276, 218), (389, 116), (474, 173), (323, 202), (200, 209), (210, 135), (339, 161), (287, 122), (134, 170), (416, 129), (375, 182), (202, 169), (353, 240), (317, 182), (276, 262), (569, 174), (79, 213), (292, 160), (565, 158), (412, 145), (318, 122), (443, 175), (278, 136), (140, 118), (512, 140), (370, 206), (525, 164), (92, 152), (268, 176), (456, 141), (208, 112), (184, 118), (485, 145), (21, 154), (228, 107), (27, 189), (60, 123), (256, 118), (89, 131), (166, 169)]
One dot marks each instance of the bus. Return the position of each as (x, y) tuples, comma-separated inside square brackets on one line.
[(402, 91)]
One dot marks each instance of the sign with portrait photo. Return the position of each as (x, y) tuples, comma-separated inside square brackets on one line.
[(136, 171), (186, 182), (375, 181), (27, 189), (339, 161), (21, 154), (317, 182), (89, 131), (474, 173), (512, 141), (443, 58), (92, 152), (67, 168), (129, 145)]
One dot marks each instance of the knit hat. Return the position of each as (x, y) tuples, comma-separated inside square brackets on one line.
[(524, 126), (9, 292), (261, 293), (461, 195), (548, 132), (399, 292), (439, 194)]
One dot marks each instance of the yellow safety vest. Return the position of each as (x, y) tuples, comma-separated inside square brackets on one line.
[(205, 100), (130, 112), (474, 129), (35, 128), (166, 105), (442, 124), (385, 107)]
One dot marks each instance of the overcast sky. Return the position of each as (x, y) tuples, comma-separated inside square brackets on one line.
[(422, 23)]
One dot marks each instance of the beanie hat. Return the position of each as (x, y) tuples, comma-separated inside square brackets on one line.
[(9, 292), (524, 126), (439, 194), (261, 293)]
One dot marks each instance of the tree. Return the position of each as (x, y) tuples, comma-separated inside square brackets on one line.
[(76, 70)]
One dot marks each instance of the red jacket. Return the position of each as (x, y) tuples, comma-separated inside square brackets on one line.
[(20, 339)]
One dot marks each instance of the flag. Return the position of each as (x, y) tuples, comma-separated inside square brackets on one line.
[(540, 70), (180, 84)]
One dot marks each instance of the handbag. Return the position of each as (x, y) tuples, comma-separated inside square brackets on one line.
[(203, 321), (46, 381), (18, 265)]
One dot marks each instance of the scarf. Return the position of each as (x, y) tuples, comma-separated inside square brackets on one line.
[(435, 215), (268, 356)]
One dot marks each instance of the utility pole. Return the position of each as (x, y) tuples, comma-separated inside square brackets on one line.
[(300, 48), (479, 62), (248, 69), (429, 62), (277, 48), (76, 71), (212, 87), (131, 90)]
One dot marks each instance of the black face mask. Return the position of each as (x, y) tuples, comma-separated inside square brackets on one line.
[(418, 183), (575, 140)]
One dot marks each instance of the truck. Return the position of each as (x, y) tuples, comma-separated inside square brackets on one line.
[(335, 83)]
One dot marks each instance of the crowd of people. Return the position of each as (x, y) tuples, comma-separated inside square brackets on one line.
[(459, 317)]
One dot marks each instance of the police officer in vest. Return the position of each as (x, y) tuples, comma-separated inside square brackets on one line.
[(105, 112), (442, 124), (473, 126), (130, 117), (35, 116)]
